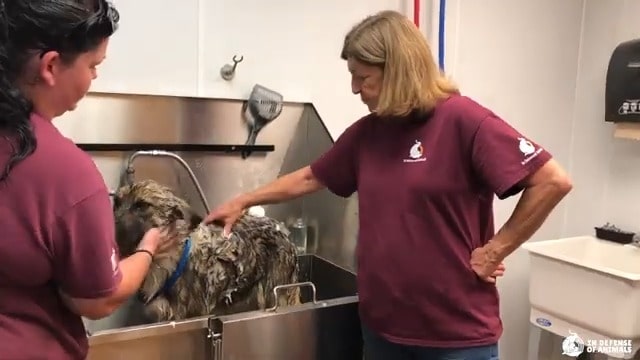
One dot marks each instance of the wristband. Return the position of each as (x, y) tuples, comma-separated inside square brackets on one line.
[(144, 251)]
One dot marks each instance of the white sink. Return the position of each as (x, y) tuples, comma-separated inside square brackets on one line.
[(587, 286)]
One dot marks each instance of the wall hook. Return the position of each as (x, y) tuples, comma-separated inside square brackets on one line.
[(228, 71)]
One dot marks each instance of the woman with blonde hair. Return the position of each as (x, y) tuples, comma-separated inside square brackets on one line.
[(426, 163)]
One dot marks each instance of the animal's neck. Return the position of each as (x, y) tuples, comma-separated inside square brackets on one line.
[(170, 258), (166, 271), (175, 249), (209, 232)]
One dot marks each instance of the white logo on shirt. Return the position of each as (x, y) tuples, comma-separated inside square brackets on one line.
[(528, 150), (526, 147), (416, 152)]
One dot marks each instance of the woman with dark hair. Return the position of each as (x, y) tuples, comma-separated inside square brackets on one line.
[(59, 259)]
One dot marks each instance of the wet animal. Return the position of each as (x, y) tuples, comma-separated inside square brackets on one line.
[(206, 273)]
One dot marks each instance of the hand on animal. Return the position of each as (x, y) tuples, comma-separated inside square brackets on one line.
[(196, 270), (485, 267), (226, 215), (158, 240)]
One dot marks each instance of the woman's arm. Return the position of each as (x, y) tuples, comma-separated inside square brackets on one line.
[(336, 170), (130, 271), (543, 190), (287, 187), (134, 269)]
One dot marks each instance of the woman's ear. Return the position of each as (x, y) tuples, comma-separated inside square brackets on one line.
[(49, 67)]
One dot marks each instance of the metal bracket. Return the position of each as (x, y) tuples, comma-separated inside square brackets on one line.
[(314, 298), (228, 71), (215, 334)]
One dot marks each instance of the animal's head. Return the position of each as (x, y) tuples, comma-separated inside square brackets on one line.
[(146, 204)]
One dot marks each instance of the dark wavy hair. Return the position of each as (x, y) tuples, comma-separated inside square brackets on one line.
[(31, 28)]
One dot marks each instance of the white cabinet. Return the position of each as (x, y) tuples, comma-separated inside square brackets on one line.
[(292, 47), (276, 48), (154, 51)]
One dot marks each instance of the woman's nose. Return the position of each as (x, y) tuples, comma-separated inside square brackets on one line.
[(355, 88)]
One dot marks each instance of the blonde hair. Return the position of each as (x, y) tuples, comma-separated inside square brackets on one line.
[(411, 78)]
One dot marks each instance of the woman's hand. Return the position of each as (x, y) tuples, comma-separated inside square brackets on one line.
[(487, 269), (499, 272), (158, 240), (494, 276), (226, 215)]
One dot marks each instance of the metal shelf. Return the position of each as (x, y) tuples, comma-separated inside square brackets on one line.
[(226, 148)]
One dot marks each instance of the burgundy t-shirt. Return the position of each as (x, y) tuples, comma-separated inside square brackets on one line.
[(425, 186), (57, 232)]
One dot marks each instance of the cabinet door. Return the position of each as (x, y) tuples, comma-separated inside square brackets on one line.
[(273, 38), (154, 51), (292, 47)]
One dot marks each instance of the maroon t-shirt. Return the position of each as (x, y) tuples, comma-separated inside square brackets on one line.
[(57, 232), (425, 186)]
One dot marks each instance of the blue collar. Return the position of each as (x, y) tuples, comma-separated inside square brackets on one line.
[(182, 265)]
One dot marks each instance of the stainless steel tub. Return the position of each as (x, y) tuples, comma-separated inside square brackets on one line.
[(325, 329)]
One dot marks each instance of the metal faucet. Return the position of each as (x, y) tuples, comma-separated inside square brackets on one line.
[(130, 170)]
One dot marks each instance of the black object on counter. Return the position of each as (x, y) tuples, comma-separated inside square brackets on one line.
[(613, 233)]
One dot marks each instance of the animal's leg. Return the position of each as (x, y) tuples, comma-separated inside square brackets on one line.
[(294, 297), (159, 310), (289, 297), (228, 296)]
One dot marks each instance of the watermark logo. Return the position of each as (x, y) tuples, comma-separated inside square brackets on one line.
[(573, 345)]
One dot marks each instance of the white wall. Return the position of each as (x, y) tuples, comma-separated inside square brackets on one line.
[(538, 63), (155, 50), (605, 170)]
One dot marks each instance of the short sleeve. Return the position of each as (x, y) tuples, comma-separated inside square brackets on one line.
[(337, 168), (85, 254), (502, 157)]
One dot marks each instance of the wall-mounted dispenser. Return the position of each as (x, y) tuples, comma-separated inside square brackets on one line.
[(622, 94)]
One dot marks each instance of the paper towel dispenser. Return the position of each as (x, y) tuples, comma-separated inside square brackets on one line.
[(622, 93)]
